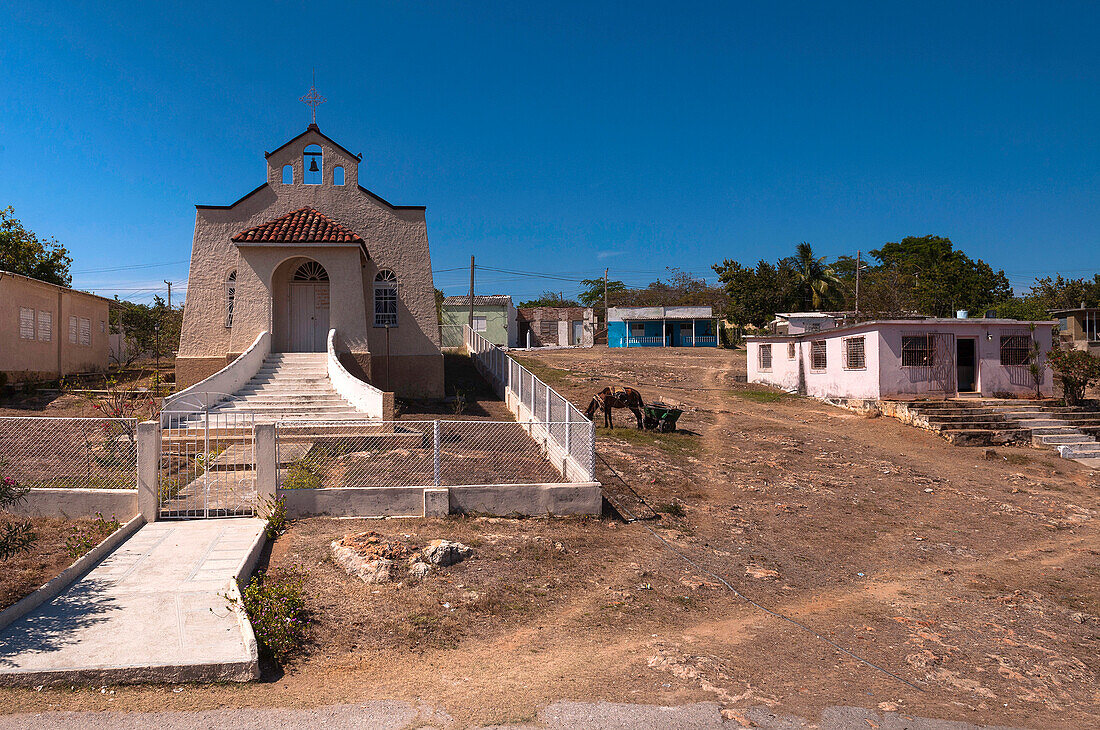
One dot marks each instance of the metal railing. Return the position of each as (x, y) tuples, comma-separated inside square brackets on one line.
[(359, 454), (548, 414), (69, 453), (207, 465)]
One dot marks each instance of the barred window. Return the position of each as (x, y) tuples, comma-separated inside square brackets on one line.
[(45, 326), (385, 299), (72, 330), (790, 351), (855, 355), (819, 360), (916, 351), (85, 332), (765, 357), (1015, 350), (26, 323)]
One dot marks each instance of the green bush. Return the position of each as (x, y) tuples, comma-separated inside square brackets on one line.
[(276, 606), (1076, 369), (302, 475), (273, 510)]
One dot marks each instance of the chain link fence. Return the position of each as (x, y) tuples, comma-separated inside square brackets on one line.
[(343, 454), (71, 453), (547, 413)]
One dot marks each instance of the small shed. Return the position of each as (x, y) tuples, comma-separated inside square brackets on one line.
[(494, 319), (661, 327), (1079, 327)]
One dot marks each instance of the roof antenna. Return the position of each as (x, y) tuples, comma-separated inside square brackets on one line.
[(313, 99)]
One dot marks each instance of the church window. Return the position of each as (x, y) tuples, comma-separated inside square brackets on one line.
[(311, 271), (288, 174), (385, 299), (230, 296), (313, 165), (338, 175)]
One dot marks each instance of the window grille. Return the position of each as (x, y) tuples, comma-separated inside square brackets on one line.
[(85, 332), (790, 351), (855, 356), (1015, 350), (916, 351), (385, 299), (72, 330), (230, 297), (26, 323), (765, 357), (45, 326), (819, 360)]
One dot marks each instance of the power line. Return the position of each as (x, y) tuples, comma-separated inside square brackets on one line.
[(128, 268)]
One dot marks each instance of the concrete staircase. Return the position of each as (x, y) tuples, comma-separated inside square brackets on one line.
[(290, 386), (1068, 430)]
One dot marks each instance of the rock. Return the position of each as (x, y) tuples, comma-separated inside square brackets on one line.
[(445, 552), (418, 570), (755, 571), (369, 571)]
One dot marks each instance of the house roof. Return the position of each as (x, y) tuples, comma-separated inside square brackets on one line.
[(5, 272), (305, 225), (923, 324), (1073, 310), (480, 300), (619, 314)]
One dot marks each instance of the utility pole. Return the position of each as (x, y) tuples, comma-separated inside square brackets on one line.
[(605, 324), (859, 265), (169, 293), (471, 322)]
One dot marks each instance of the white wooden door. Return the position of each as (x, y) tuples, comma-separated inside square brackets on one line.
[(308, 317)]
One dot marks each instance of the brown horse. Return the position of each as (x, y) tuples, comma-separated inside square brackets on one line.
[(616, 397)]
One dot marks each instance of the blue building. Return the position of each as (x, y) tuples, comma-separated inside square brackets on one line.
[(661, 327)]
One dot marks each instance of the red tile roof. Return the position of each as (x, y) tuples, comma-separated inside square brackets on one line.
[(304, 225)]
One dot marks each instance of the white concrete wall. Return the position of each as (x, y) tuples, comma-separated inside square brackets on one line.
[(225, 382)]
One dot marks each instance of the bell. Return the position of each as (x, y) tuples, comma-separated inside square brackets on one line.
[(313, 165)]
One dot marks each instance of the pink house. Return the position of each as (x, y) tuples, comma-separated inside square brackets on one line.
[(906, 359)]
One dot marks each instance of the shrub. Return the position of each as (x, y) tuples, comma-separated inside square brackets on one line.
[(275, 605), (83, 539), (15, 537), (302, 475), (273, 510), (1076, 369)]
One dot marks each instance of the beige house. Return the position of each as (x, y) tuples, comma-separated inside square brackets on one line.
[(310, 250), (48, 331)]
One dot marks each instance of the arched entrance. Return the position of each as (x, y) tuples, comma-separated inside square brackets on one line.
[(309, 305)]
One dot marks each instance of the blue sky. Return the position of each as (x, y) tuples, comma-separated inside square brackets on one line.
[(565, 137)]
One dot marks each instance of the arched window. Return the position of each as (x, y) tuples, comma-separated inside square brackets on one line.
[(288, 174), (385, 299), (230, 295), (338, 175), (311, 271), (313, 165)]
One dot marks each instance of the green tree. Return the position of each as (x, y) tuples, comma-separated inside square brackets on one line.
[(22, 252), (139, 322), (550, 299), (817, 283), (755, 294), (943, 278), (592, 291), (1075, 369)]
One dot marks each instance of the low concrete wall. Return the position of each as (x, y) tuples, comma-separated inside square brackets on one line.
[(225, 382), (122, 504), (584, 498), (355, 502)]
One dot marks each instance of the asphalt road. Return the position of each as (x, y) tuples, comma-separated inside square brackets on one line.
[(397, 715)]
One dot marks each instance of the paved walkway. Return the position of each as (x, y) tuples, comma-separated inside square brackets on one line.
[(154, 609)]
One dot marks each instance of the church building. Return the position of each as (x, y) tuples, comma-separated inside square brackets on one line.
[(308, 251)]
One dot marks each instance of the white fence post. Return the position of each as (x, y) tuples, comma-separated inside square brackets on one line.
[(435, 450), (148, 470), (267, 466)]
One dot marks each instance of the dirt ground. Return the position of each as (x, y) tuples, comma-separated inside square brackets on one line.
[(966, 580), (47, 556)]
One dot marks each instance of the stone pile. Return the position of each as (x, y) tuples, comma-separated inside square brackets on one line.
[(374, 558)]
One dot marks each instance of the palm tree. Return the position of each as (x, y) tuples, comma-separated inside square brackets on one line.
[(815, 280)]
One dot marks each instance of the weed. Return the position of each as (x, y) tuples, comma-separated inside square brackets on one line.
[(273, 510), (760, 395), (674, 509), (83, 539), (459, 402), (276, 606), (302, 474)]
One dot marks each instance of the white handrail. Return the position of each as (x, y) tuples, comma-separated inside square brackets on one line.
[(362, 395), (229, 379)]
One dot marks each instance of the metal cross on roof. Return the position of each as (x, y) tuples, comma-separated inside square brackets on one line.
[(312, 98)]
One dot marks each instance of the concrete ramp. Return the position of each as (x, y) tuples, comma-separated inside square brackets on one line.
[(153, 610)]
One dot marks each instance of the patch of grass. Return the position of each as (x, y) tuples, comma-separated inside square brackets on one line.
[(545, 373), (674, 444), (83, 539), (762, 395), (674, 509)]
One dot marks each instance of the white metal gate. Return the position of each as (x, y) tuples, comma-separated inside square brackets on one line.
[(207, 465)]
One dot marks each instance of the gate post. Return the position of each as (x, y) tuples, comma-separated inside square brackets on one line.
[(266, 466), (148, 469)]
